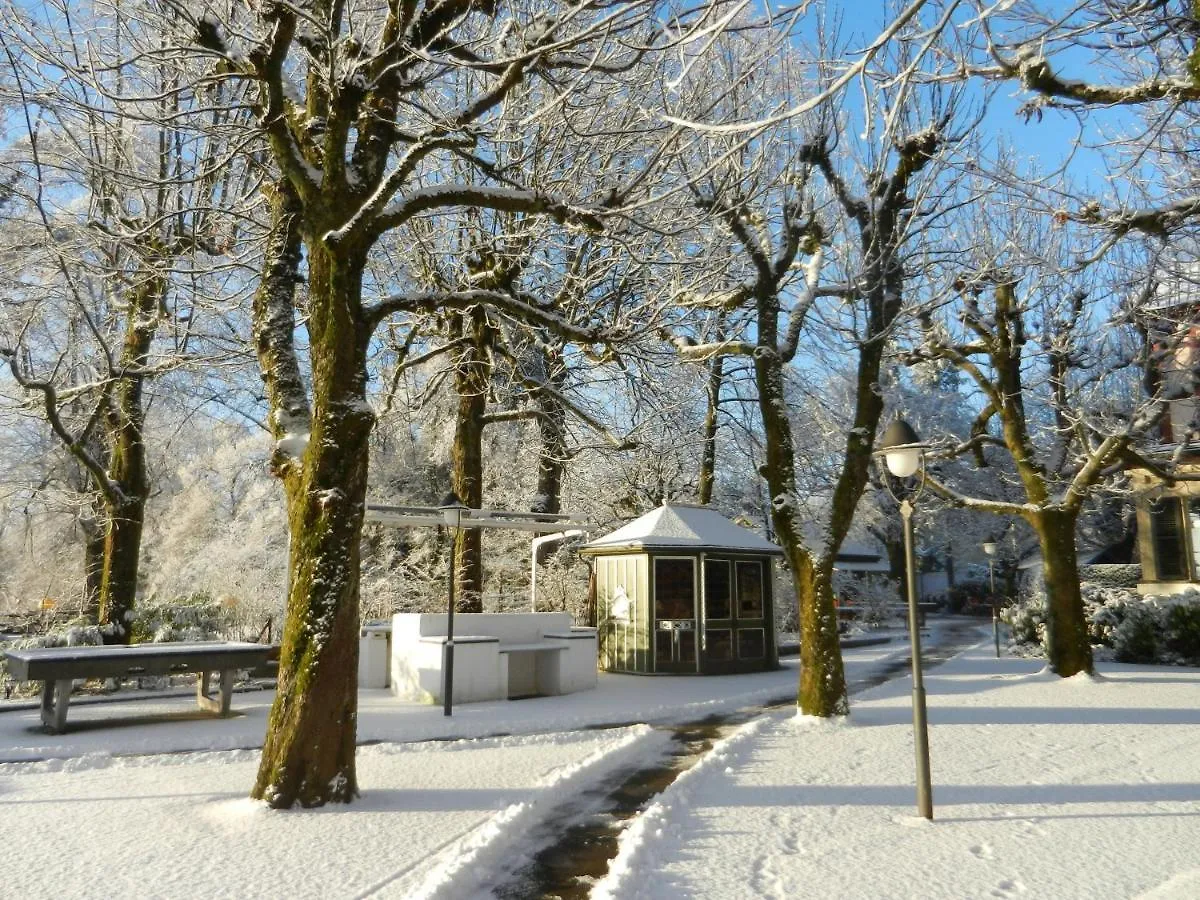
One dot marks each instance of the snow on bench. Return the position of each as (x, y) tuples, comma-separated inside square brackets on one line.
[(58, 667)]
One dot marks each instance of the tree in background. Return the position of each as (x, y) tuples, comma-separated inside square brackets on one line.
[(786, 199), (1034, 335), (111, 204)]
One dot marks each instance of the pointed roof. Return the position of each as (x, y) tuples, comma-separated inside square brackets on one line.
[(681, 526)]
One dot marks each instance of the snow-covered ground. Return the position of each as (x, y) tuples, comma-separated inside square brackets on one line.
[(1041, 787)]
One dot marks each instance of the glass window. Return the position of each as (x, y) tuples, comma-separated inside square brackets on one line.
[(750, 590), (674, 589), (1166, 530), (718, 644), (687, 646), (751, 643), (664, 645), (717, 589), (1194, 527)]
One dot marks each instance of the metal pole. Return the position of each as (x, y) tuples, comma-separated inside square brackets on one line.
[(448, 647), (995, 608), (920, 728)]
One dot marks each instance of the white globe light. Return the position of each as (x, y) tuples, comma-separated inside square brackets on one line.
[(903, 461)]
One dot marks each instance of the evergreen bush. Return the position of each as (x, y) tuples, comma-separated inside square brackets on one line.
[(1181, 636), (1152, 629), (1136, 638)]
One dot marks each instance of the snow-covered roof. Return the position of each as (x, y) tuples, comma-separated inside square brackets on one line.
[(1178, 285), (682, 526), (860, 558)]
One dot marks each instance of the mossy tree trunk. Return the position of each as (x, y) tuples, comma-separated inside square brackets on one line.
[(999, 336), (552, 432), (350, 170), (308, 757), (1068, 647), (472, 380), (95, 529), (822, 676), (552, 442), (881, 221), (127, 485)]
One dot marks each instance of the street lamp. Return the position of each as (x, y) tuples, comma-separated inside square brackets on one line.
[(453, 511), (989, 548), (903, 453)]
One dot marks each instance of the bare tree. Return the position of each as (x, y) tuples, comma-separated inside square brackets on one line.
[(390, 97), (1132, 71), (113, 203), (787, 200), (1039, 339)]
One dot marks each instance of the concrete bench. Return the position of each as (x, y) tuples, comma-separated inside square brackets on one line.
[(58, 667), (497, 656)]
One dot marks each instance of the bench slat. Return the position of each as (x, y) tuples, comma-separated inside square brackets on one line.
[(58, 663)]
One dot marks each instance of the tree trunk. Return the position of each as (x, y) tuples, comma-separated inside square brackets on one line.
[(472, 373), (552, 454), (118, 579), (95, 528), (308, 757), (708, 452), (822, 677), (126, 500), (552, 431), (1068, 649)]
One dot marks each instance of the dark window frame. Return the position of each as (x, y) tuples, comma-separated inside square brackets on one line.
[(1169, 539)]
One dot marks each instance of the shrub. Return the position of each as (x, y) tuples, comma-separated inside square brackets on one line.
[(1135, 640), (197, 617), (1027, 619), (1162, 629), (194, 618), (876, 596), (74, 633), (963, 593), (1181, 637), (1111, 575)]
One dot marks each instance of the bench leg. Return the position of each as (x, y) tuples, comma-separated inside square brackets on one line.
[(219, 705), (56, 697)]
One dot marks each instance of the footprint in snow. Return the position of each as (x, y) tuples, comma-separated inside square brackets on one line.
[(982, 851), (1030, 828), (1009, 887)]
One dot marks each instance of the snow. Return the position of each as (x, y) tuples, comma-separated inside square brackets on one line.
[(1083, 787), (683, 525), (1042, 787)]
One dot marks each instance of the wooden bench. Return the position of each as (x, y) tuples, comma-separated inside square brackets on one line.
[(58, 667)]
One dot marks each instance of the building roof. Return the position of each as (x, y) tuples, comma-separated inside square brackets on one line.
[(681, 526), (861, 558)]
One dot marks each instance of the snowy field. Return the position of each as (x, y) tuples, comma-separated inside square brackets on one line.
[(1042, 788)]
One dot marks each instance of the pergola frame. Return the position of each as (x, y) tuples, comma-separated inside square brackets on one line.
[(550, 526)]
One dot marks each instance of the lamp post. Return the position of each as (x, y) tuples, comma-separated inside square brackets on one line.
[(452, 510), (989, 548), (903, 454)]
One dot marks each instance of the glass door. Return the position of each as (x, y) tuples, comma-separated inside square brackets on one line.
[(674, 614), (751, 622), (716, 646)]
